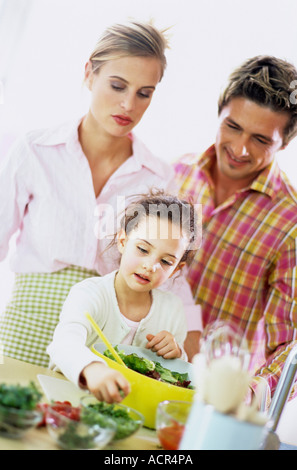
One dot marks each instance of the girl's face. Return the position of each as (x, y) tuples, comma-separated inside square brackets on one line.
[(122, 90), (150, 253)]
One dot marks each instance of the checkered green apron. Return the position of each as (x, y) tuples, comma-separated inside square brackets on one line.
[(29, 320)]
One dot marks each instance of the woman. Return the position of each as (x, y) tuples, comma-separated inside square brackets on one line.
[(64, 187)]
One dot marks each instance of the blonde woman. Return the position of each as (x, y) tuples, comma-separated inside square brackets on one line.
[(64, 187)]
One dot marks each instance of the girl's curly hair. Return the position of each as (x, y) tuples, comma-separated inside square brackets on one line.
[(158, 203)]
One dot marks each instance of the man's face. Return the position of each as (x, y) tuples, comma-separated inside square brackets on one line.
[(248, 137)]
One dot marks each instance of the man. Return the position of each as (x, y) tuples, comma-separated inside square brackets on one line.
[(245, 271)]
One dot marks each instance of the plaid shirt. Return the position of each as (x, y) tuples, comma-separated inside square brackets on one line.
[(245, 271)]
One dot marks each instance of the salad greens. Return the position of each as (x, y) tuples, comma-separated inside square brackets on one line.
[(18, 408), (19, 396), (140, 364), (72, 438), (102, 413), (151, 369)]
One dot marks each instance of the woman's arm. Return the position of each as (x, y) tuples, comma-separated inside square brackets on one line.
[(14, 193)]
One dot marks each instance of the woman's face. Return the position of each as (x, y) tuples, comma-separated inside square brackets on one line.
[(122, 90)]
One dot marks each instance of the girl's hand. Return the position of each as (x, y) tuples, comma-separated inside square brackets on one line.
[(164, 344), (105, 383)]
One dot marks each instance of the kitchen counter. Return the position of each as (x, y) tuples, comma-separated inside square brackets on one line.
[(14, 371)]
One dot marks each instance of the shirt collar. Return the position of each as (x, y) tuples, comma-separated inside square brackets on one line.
[(267, 182), (67, 134), (61, 134), (145, 158)]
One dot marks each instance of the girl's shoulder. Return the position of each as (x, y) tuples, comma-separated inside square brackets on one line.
[(94, 292), (168, 299), (96, 282)]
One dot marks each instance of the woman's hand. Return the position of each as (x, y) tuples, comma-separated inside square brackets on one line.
[(164, 344), (105, 383)]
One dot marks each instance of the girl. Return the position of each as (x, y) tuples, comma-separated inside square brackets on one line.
[(155, 240), (53, 180)]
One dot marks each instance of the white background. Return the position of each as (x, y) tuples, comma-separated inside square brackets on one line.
[(44, 45)]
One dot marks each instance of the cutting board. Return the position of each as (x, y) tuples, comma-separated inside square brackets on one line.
[(60, 389)]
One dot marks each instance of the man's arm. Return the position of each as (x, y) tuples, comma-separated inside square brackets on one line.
[(280, 314)]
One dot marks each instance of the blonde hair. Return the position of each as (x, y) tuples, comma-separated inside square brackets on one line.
[(135, 39)]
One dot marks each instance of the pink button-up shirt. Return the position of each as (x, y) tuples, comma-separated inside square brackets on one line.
[(47, 194)]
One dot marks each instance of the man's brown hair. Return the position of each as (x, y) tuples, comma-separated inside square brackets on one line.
[(268, 81)]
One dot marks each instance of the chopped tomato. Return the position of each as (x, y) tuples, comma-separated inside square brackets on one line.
[(64, 408), (170, 436)]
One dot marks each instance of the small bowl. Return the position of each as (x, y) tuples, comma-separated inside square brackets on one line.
[(171, 418), (73, 434), (127, 420), (14, 422)]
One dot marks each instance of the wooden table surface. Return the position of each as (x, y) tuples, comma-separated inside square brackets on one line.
[(14, 371)]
